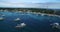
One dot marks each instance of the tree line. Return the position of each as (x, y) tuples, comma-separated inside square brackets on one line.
[(41, 10)]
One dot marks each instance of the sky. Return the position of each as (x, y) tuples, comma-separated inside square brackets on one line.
[(55, 4)]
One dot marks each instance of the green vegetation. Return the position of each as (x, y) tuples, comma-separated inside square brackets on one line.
[(48, 11)]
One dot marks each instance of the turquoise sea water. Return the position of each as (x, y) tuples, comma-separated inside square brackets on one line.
[(34, 22)]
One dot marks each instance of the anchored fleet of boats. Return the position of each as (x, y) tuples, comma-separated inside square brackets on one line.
[(54, 25), (18, 25), (21, 25)]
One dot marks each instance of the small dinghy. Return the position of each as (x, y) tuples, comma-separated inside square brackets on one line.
[(21, 25), (1, 18), (55, 25), (42, 14), (17, 19)]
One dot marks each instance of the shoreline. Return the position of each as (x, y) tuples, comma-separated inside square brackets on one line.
[(38, 13)]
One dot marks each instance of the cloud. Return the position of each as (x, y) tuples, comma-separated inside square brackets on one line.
[(18, 5), (21, 1), (31, 3)]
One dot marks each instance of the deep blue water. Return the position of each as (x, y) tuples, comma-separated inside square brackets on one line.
[(34, 23)]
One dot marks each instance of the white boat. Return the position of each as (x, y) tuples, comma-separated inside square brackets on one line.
[(20, 11), (55, 25), (17, 19), (1, 18), (21, 25), (42, 14)]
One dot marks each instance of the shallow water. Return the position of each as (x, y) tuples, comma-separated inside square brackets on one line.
[(34, 22)]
